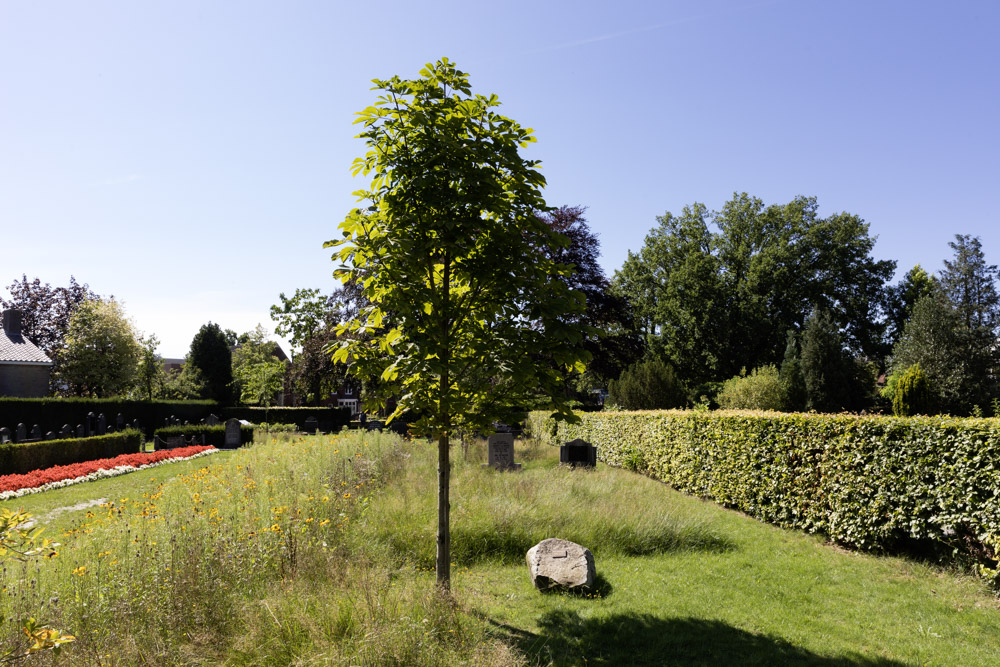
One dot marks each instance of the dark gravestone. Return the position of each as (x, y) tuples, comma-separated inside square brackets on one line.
[(20, 433), (4, 434), (81, 431), (135, 425), (578, 453), (90, 424), (212, 420), (119, 422), (501, 452), (311, 425), (36, 432), (66, 431), (50, 436), (102, 424), (232, 433)]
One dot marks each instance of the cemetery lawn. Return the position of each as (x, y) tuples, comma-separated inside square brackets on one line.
[(319, 550)]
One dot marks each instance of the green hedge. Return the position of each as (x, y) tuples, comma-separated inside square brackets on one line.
[(214, 435), (51, 413), (868, 482), (330, 420), (18, 459)]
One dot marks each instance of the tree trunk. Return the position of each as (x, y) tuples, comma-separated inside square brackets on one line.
[(443, 565)]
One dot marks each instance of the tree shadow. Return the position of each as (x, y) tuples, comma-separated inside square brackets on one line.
[(567, 639)]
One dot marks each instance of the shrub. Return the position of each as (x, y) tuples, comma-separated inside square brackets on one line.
[(761, 390), (871, 482), (646, 385), (330, 420), (912, 395), (22, 458), (214, 435)]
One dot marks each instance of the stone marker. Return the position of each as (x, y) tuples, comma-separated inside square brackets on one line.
[(36, 432), (66, 431), (50, 436), (232, 433), (501, 452), (119, 422), (21, 433), (4, 434), (578, 453), (554, 563), (81, 431), (102, 424), (212, 420), (135, 425), (90, 424), (311, 425)]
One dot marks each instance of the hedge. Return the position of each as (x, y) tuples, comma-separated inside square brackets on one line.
[(214, 435), (51, 413), (329, 420), (876, 483), (21, 458)]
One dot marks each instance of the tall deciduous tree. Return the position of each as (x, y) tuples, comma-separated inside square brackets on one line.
[(466, 314), (211, 356), (102, 352)]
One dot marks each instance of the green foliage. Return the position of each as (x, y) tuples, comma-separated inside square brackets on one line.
[(901, 299), (761, 390), (912, 394), (329, 420), (646, 385), (258, 375), (793, 384), (21, 458), (214, 435), (102, 353), (874, 483), (833, 379), (970, 284), (210, 354), (301, 317)]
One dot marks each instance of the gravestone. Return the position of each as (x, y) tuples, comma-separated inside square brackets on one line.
[(66, 431), (50, 436), (102, 424), (135, 424), (21, 433), (36, 432), (81, 431), (170, 442), (212, 420), (90, 424), (119, 422), (4, 434), (578, 453), (311, 425), (501, 452), (557, 563), (232, 433)]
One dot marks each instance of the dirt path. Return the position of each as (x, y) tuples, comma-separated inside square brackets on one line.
[(86, 504)]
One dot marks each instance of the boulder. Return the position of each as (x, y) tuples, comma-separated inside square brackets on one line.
[(560, 563)]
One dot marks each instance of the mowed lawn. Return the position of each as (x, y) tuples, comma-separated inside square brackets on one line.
[(680, 580)]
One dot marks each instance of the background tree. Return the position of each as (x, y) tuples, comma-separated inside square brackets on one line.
[(211, 356), (254, 350), (451, 251), (647, 385), (970, 283), (102, 352), (834, 379), (901, 298), (150, 374)]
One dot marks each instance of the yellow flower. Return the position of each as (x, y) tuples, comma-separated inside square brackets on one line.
[(80, 571)]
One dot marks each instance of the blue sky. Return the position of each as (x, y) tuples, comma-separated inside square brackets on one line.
[(190, 158)]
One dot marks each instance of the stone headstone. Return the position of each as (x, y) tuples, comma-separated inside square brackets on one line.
[(212, 420), (232, 433), (119, 422), (135, 425), (501, 452), (102, 424), (36, 432), (81, 431), (50, 436), (90, 424), (20, 433), (66, 431), (578, 453), (171, 442), (4, 434), (311, 425), (557, 563)]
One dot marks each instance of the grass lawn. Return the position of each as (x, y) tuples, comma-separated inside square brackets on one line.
[(319, 551)]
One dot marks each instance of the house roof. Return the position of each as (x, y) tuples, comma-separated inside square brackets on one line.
[(15, 348)]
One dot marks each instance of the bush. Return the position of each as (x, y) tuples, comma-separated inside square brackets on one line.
[(22, 458), (51, 413), (330, 420), (912, 394), (761, 390), (214, 435), (646, 385), (870, 482)]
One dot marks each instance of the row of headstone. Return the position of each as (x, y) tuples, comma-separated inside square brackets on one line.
[(574, 453), (91, 426)]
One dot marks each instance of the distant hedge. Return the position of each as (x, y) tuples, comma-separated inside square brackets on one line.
[(18, 458), (329, 419), (877, 483), (214, 435), (51, 413)]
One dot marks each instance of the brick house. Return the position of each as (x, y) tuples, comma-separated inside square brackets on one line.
[(24, 369)]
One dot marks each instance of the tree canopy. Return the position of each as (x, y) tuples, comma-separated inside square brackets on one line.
[(466, 317), (102, 352), (211, 357)]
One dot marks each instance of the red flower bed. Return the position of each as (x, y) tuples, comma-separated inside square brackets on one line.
[(59, 473)]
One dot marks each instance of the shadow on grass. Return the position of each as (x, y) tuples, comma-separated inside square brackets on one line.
[(641, 639)]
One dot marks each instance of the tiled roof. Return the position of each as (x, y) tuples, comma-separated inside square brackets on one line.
[(15, 347)]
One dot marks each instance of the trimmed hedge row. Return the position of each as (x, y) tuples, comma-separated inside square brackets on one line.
[(52, 413), (214, 435), (19, 459), (870, 482), (330, 419)]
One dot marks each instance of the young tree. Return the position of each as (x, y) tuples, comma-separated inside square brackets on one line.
[(834, 379), (647, 385), (466, 313), (102, 352), (254, 350), (211, 356), (150, 376)]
